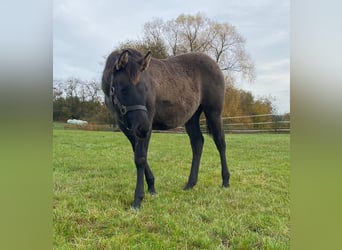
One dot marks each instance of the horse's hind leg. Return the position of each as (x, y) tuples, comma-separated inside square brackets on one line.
[(215, 128), (196, 139), (149, 179)]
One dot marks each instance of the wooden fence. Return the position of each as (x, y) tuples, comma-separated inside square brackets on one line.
[(266, 123)]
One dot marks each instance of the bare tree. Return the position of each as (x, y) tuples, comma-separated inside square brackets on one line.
[(194, 31), (58, 89), (228, 49), (153, 31), (190, 33), (172, 36), (71, 87), (197, 33), (93, 89), (75, 87)]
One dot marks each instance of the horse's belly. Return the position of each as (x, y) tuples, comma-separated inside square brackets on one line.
[(169, 115), (167, 123)]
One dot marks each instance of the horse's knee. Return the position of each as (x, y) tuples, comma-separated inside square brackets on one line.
[(139, 161)]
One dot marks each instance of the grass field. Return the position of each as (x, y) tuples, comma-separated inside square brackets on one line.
[(94, 180)]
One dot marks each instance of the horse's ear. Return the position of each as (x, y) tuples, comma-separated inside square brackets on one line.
[(122, 60), (145, 62)]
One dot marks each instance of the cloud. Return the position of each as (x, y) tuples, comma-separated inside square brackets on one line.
[(275, 67)]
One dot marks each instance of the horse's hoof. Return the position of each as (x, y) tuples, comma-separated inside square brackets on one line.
[(188, 186), (225, 185), (152, 192), (135, 207)]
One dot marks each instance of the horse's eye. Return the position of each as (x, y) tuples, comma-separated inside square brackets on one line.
[(124, 91)]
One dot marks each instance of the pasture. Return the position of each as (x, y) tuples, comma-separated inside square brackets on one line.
[(94, 179)]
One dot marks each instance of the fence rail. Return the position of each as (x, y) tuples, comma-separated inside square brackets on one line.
[(265, 123), (245, 116)]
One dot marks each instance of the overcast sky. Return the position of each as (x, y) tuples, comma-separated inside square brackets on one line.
[(84, 31)]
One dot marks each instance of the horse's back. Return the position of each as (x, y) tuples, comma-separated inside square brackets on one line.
[(183, 83), (203, 72)]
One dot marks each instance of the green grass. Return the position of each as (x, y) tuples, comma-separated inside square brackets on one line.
[(94, 181), (58, 125)]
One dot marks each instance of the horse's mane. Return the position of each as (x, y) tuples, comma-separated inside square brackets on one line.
[(131, 68)]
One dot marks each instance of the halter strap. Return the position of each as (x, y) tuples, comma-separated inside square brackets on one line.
[(122, 108)]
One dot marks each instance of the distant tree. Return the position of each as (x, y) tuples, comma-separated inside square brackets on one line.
[(197, 33), (78, 99), (157, 48), (91, 90), (57, 89), (239, 102), (191, 33), (247, 102), (232, 104), (286, 117), (71, 87)]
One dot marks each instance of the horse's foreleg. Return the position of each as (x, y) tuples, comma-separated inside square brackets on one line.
[(148, 172), (140, 148), (140, 159)]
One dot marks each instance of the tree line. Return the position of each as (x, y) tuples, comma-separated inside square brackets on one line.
[(74, 98), (79, 99)]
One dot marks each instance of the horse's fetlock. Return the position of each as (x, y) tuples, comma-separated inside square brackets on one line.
[(150, 181)]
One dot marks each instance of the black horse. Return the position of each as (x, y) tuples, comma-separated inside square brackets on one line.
[(146, 93)]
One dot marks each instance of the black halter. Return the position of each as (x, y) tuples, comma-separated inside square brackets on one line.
[(122, 108)]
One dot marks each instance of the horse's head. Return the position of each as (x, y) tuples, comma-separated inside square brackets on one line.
[(128, 92)]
